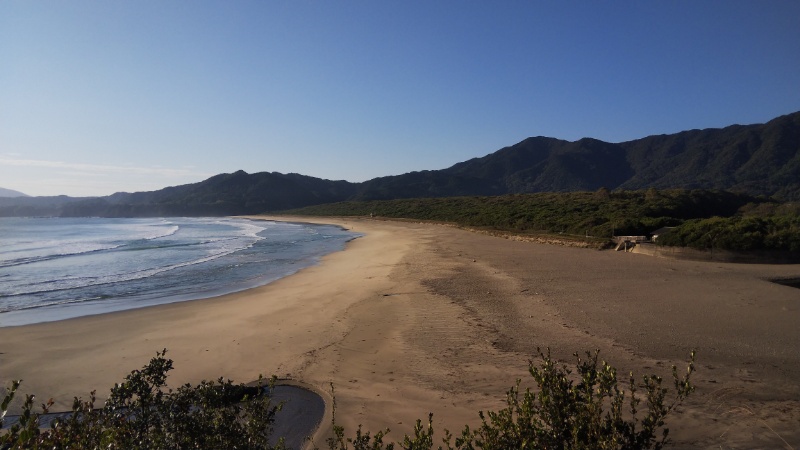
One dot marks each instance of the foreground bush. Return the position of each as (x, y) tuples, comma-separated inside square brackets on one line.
[(140, 414), (585, 409), (581, 409)]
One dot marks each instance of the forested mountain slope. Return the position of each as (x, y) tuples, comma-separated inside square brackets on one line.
[(761, 159)]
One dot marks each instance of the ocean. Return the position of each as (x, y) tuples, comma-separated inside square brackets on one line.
[(58, 268)]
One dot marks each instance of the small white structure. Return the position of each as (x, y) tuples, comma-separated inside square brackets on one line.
[(659, 232)]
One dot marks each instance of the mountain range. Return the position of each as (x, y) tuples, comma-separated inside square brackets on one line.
[(11, 193), (761, 160)]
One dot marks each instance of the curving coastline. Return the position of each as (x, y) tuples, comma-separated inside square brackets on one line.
[(414, 318)]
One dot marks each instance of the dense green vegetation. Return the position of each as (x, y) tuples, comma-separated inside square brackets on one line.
[(762, 227), (587, 408), (700, 217)]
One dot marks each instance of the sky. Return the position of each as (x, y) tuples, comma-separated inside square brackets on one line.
[(103, 96)]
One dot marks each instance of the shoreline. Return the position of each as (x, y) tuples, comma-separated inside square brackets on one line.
[(60, 359), (69, 310), (416, 318)]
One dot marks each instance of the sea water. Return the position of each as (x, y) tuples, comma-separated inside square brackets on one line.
[(58, 268)]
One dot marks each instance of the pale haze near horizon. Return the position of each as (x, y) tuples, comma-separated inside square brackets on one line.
[(99, 97)]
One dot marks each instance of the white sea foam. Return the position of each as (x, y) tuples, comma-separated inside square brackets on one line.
[(73, 282), (144, 261), (26, 251)]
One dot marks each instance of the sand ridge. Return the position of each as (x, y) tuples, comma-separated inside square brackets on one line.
[(416, 318)]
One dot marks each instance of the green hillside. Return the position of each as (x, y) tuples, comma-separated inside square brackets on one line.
[(755, 160), (733, 221)]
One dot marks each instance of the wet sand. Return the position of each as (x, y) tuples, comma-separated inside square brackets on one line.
[(417, 318)]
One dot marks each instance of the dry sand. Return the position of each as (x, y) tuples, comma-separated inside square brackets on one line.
[(416, 318)]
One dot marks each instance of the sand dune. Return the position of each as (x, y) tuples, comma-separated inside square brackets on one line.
[(416, 318)]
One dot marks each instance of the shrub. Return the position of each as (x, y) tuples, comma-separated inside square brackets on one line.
[(581, 409), (563, 414), (141, 414)]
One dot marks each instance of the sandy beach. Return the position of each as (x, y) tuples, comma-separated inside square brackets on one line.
[(417, 318)]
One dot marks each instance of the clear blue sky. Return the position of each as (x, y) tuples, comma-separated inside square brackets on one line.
[(105, 96)]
